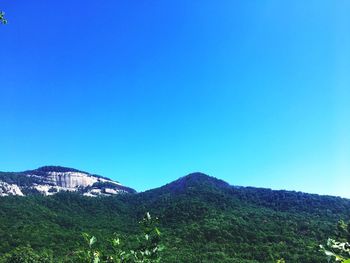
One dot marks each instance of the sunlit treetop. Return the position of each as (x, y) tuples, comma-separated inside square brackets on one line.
[(2, 18)]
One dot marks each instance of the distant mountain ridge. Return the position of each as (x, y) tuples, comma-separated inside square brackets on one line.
[(49, 180), (196, 184), (204, 219)]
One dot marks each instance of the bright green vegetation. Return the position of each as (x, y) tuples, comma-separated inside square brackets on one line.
[(339, 250), (202, 219), (147, 250)]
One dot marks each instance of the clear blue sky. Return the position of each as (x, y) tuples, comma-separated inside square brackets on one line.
[(254, 92)]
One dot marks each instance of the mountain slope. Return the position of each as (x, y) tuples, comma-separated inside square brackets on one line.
[(203, 219), (49, 180)]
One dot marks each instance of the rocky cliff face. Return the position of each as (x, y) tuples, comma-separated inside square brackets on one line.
[(49, 180), (9, 189)]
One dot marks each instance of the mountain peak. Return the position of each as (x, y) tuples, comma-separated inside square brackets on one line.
[(56, 168), (195, 180), (49, 180), (197, 175), (202, 178)]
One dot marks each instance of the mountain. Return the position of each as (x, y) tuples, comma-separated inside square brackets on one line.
[(49, 180), (202, 219), (194, 180)]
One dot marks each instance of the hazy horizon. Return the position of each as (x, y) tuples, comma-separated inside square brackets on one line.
[(253, 93)]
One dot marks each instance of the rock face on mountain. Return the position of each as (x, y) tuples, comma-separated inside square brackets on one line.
[(49, 180), (9, 189)]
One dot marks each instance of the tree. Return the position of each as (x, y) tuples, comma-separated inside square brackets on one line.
[(147, 250), (3, 20), (26, 255)]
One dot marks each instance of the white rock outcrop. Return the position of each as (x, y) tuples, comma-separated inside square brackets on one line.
[(7, 189), (51, 180)]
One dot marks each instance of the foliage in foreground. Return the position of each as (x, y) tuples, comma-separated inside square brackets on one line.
[(147, 250), (339, 251)]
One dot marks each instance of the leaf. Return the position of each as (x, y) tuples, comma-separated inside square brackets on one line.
[(116, 242), (157, 231), (96, 257), (86, 236), (92, 241), (329, 253)]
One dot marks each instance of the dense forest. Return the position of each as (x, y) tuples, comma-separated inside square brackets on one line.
[(201, 219)]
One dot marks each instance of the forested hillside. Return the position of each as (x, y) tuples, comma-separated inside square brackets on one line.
[(202, 219)]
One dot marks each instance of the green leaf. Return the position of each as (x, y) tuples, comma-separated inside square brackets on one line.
[(116, 242), (86, 236), (329, 253), (96, 260), (157, 231), (92, 241)]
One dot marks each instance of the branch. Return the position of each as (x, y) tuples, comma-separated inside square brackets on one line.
[(2, 18)]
